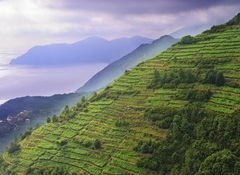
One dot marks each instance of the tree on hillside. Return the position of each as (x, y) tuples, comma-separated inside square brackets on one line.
[(222, 163), (14, 147), (66, 108), (97, 144), (156, 77), (188, 40), (54, 118), (1, 159), (210, 76), (235, 20), (48, 120), (219, 80), (83, 99), (214, 77)]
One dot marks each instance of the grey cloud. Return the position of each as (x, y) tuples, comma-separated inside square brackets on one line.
[(124, 7)]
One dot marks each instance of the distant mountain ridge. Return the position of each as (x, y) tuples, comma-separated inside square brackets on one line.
[(90, 50), (190, 30), (33, 107), (37, 106), (117, 68), (31, 103)]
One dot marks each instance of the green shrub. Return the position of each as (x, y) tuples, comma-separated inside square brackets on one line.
[(214, 77), (188, 40), (97, 144), (1, 159), (26, 134), (48, 120), (198, 95), (222, 162), (54, 118), (120, 123), (170, 80), (62, 142), (87, 143), (14, 147), (235, 20)]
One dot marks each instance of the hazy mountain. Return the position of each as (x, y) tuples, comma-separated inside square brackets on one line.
[(117, 68), (17, 105), (90, 50), (46, 106), (192, 30), (14, 112)]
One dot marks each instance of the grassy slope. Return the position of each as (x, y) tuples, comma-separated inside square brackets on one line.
[(126, 100)]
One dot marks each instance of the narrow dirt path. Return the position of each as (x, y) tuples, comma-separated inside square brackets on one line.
[(6, 161)]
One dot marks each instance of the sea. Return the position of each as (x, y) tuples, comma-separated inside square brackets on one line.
[(19, 81)]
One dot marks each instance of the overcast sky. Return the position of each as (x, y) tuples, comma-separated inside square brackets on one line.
[(25, 23)]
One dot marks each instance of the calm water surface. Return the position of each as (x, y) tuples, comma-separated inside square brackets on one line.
[(19, 81)]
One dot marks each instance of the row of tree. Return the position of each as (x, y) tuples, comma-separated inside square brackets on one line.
[(197, 143), (173, 78)]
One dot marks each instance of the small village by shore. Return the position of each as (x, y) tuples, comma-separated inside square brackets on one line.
[(12, 122)]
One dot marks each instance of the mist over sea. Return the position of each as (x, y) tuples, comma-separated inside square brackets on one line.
[(19, 81)]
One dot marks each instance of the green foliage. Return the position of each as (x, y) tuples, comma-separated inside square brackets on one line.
[(47, 171), (219, 80), (14, 147), (195, 95), (161, 116), (235, 20), (62, 142), (87, 143), (214, 77), (197, 143), (146, 147), (156, 78), (74, 173), (83, 99), (216, 29), (66, 109), (222, 27), (210, 76), (48, 120), (223, 162), (1, 159), (54, 119), (120, 123), (97, 144), (171, 79), (26, 134), (188, 40)]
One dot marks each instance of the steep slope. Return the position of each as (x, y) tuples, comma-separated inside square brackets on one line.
[(177, 113), (190, 30), (34, 107), (117, 68), (13, 113), (90, 50)]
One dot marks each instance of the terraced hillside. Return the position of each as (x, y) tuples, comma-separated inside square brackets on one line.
[(177, 113), (117, 68)]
